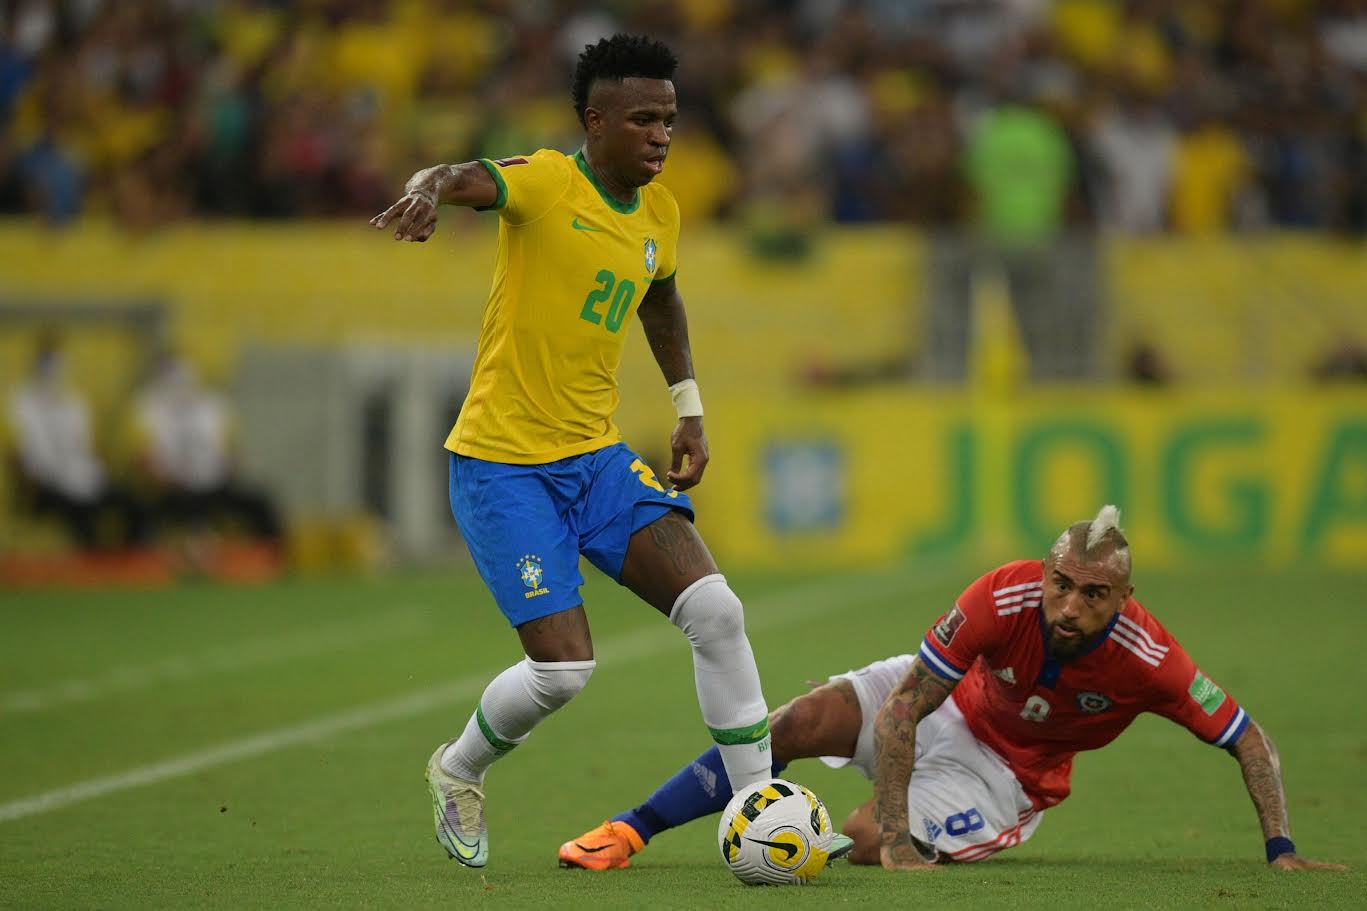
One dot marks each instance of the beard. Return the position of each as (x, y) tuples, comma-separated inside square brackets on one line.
[(1065, 648)]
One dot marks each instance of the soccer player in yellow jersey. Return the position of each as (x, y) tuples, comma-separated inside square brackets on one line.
[(538, 472)]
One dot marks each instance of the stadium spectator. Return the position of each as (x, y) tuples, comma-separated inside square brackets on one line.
[(1342, 28), (1135, 146), (1212, 173), (538, 473), (186, 454), (57, 472), (259, 108), (48, 162), (1023, 169), (16, 68), (971, 740)]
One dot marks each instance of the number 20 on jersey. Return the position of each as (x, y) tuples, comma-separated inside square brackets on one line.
[(618, 296)]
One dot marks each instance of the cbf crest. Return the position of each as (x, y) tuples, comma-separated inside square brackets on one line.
[(650, 254), (529, 569)]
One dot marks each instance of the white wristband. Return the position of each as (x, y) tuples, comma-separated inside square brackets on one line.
[(687, 402)]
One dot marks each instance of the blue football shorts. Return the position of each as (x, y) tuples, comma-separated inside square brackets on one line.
[(526, 525)]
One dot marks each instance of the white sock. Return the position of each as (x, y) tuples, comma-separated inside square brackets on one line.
[(729, 694), (513, 704)]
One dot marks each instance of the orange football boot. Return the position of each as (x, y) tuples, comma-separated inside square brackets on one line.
[(606, 847)]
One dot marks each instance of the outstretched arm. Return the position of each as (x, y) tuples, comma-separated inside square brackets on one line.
[(468, 184), (1262, 771), (666, 327), (894, 752)]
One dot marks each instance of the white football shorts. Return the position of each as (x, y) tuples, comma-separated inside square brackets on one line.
[(963, 798)]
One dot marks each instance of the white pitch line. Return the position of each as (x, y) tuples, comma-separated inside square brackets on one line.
[(225, 659), (834, 595), (187, 764)]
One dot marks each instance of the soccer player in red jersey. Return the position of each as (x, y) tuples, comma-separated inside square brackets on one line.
[(970, 740)]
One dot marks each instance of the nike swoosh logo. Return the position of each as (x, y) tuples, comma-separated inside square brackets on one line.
[(789, 850), (587, 850), (463, 847), (579, 227), (467, 850)]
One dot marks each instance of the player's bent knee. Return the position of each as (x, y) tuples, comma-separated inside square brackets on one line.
[(708, 611), (796, 729), (551, 684), (822, 722)]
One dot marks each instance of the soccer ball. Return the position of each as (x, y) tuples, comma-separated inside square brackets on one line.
[(775, 832)]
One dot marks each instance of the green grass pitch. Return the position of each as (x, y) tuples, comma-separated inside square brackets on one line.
[(263, 748)]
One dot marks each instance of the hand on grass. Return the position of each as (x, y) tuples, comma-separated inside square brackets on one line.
[(1292, 862)]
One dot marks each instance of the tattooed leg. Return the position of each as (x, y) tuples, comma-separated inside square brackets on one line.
[(563, 636), (665, 558)]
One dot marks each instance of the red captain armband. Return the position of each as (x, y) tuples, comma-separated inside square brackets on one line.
[(506, 162)]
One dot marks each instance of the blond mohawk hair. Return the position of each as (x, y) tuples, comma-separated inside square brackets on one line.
[(1106, 521)]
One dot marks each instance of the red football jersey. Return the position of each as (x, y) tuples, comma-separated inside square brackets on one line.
[(1035, 712)]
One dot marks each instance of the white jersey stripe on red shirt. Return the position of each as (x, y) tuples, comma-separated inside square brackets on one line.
[(1128, 635), (1004, 611), (1141, 634), (1016, 599), (1143, 655), (996, 593)]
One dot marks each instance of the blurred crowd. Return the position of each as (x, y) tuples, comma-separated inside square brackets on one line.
[(1026, 116), (183, 481)]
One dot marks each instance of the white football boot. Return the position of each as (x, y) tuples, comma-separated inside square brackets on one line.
[(458, 811)]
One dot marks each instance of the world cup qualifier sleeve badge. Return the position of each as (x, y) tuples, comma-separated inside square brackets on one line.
[(650, 254), (529, 569), (949, 625)]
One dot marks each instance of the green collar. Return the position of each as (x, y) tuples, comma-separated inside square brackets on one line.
[(626, 208)]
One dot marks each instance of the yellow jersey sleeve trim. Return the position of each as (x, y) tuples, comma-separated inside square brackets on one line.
[(502, 199), (664, 278)]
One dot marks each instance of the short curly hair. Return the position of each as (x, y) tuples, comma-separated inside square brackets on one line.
[(617, 58)]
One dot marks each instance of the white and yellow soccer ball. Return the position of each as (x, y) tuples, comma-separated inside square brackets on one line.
[(775, 832)]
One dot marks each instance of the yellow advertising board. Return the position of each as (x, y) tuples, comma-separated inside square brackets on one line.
[(867, 477)]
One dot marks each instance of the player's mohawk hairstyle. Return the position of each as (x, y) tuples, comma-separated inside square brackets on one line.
[(617, 58), (1100, 538), (1106, 521)]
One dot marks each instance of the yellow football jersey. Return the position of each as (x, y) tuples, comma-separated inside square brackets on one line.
[(573, 264)]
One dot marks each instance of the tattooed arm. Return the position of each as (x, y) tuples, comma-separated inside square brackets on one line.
[(1262, 770), (666, 327), (894, 752)]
